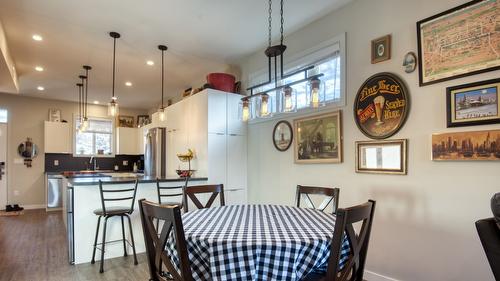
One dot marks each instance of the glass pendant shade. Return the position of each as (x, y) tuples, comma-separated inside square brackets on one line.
[(85, 124), (113, 108), (264, 106), (288, 100), (161, 114), (245, 112), (316, 92)]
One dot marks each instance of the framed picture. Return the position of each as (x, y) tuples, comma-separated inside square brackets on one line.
[(381, 49), (410, 62), (54, 115), (318, 139), (126, 121), (143, 120), (381, 106), (282, 135), (459, 42), (466, 146), (473, 104), (381, 157)]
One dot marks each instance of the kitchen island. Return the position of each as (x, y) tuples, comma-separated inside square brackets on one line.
[(83, 197)]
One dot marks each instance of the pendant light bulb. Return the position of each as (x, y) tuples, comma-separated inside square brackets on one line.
[(264, 105), (245, 111), (161, 114), (316, 93), (113, 108), (85, 123), (161, 110)]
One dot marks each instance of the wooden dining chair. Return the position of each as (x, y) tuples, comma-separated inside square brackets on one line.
[(157, 256), (344, 229), (215, 189), (332, 196)]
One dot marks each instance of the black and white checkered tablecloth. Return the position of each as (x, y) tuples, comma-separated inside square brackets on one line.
[(257, 242)]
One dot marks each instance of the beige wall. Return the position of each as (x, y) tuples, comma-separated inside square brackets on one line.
[(424, 222), (26, 117)]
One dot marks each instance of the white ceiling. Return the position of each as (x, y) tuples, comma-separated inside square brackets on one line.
[(203, 36)]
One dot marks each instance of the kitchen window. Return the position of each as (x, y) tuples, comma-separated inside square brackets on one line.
[(3, 115), (96, 140)]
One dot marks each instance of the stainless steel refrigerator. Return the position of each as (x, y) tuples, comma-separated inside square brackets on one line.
[(155, 153)]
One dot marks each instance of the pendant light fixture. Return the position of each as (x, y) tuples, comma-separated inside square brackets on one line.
[(315, 91), (85, 123), (113, 105), (79, 85), (161, 110), (81, 127)]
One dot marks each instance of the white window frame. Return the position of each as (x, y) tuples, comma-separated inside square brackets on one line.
[(7, 112), (302, 59), (113, 138)]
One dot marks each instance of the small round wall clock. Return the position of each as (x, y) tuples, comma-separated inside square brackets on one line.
[(282, 135)]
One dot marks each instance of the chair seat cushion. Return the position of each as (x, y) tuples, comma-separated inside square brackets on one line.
[(315, 276), (119, 210)]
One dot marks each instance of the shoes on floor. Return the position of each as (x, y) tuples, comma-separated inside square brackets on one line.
[(13, 208)]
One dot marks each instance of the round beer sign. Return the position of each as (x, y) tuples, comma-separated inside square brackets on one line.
[(381, 106)]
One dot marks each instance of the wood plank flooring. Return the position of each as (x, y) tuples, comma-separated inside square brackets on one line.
[(33, 247)]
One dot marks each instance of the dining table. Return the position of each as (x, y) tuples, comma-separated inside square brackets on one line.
[(257, 242)]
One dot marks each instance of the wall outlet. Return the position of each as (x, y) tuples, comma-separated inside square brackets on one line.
[(56, 162), (16, 193), (125, 163)]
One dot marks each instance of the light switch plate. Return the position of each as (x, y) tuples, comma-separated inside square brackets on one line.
[(125, 163), (56, 162)]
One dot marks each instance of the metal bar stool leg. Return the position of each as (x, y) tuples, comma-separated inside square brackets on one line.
[(95, 240), (132, 238), (123, 237), (101, 270)]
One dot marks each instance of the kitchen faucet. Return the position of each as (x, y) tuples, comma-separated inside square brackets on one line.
[(93, 158)]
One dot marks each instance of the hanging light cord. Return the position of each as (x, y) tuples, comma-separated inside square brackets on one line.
[(114, 62), (282, 21), (86, 91), (79, 101), (270, 22), (162, 76)]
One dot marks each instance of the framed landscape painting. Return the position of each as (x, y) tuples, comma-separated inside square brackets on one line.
[(318, 139), (473, 104), (459, 42), (466, 146)]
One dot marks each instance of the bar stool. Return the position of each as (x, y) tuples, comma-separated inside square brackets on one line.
[(109, 195), (166, 192)]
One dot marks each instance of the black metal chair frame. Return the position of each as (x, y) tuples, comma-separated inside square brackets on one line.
[(109, 213), (167, 195), (170, 215), (332, 193), (215, 189)]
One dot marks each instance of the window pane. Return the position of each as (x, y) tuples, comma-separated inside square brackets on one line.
[(103, 143), (3, 115), (102, 126), (84, 143)]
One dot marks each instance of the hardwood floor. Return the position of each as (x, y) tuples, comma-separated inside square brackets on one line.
[(33, 247)]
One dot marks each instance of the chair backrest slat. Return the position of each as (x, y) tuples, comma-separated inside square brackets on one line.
[(332, 196), (358, 242), (155, 244), (120, 193), (163, 194), (215, 190)]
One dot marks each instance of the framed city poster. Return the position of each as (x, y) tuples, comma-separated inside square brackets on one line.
[(473, 104), (381, 106), (318, 139), (459, 42), (466, 146), (381, 157)]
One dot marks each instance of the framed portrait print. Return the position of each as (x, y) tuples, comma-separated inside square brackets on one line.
[(381, 49), (143, 120), (459, 42), (318, 139), (282, 135), (473, 104), (126, 121), (381, 157), (466, 146)]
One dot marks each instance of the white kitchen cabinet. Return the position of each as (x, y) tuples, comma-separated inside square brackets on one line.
[(217, 158), (127, 141), (235, 196), (57, 137), (217, 111), (236, 162), (234, 125)]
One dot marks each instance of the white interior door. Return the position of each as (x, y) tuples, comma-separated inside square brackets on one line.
[(3, 165)]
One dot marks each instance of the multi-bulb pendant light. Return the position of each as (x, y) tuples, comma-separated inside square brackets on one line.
[(161, 110), (85, 123), (113, 105)]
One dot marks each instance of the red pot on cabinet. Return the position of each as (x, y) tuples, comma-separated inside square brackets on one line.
[(221, 81)]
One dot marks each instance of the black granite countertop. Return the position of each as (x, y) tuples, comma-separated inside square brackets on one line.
[(82, 181)]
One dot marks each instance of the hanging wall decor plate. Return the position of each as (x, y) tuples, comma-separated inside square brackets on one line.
[(282, 135), (459, 42), (318, 139), (381, 106)]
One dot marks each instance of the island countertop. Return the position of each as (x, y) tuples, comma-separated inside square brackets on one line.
[(84, 181)]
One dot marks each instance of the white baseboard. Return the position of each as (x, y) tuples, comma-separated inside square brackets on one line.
[(33, 207), (372, 276)]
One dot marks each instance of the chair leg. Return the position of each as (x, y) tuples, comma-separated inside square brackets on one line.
[(101, 270), (95, 240), (132, 238), (123, 237)]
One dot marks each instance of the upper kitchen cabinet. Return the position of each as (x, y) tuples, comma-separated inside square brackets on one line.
[(127, 140), (57, 137), (234, 125)]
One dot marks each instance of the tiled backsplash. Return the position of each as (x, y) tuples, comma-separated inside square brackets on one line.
[(67, 162)]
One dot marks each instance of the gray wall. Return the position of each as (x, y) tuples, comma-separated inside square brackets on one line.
[(26, 118), (424, 223)]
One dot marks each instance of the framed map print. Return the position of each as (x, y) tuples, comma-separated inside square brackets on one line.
[(459, 42), (473, 104)]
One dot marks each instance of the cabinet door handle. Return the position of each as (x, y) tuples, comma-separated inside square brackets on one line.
[(233, 135), (220, 134)]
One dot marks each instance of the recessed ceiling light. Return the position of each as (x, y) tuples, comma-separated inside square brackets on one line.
[(40, 88), (150, 62), (39, 68), (37, 37), (96, 102), (128, 84)]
